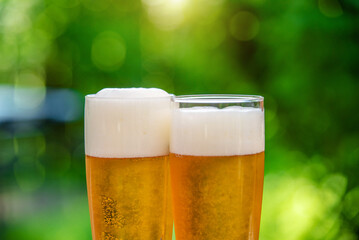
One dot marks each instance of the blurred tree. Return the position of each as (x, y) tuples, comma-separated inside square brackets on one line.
[(302, 56)]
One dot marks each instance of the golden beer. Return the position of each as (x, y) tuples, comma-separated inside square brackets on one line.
[(129, 198), (217, 197), (127, 168), (217, 166)]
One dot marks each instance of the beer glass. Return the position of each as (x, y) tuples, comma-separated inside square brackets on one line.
[(127, 169), (217, 166)]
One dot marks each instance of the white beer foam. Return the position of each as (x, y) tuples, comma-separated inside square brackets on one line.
[(127, 123), (209, 131), (131, 92)]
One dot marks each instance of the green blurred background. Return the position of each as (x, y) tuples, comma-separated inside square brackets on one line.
[(302, 56)]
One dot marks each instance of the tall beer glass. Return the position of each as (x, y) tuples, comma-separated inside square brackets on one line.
[(127, 170), (217, 166)]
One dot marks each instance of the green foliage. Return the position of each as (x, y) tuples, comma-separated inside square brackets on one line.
[(302, 56)]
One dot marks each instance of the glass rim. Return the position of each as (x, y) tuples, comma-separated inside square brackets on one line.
[(218, 98), (93, 96)]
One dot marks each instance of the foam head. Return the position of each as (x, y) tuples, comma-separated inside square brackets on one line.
[(127, 123), (125, 93), (209, 131)]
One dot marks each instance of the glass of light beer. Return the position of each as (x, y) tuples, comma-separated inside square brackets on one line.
[(127, 164), (217, 166)]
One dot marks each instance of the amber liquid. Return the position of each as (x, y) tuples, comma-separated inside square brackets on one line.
[(217, 198), (129, 198)]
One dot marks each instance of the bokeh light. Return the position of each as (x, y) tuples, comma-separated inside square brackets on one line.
[(244, 26), (94, 5), (29, 90), (165, 14), (108, 51), (330, 8), (302, 56)]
